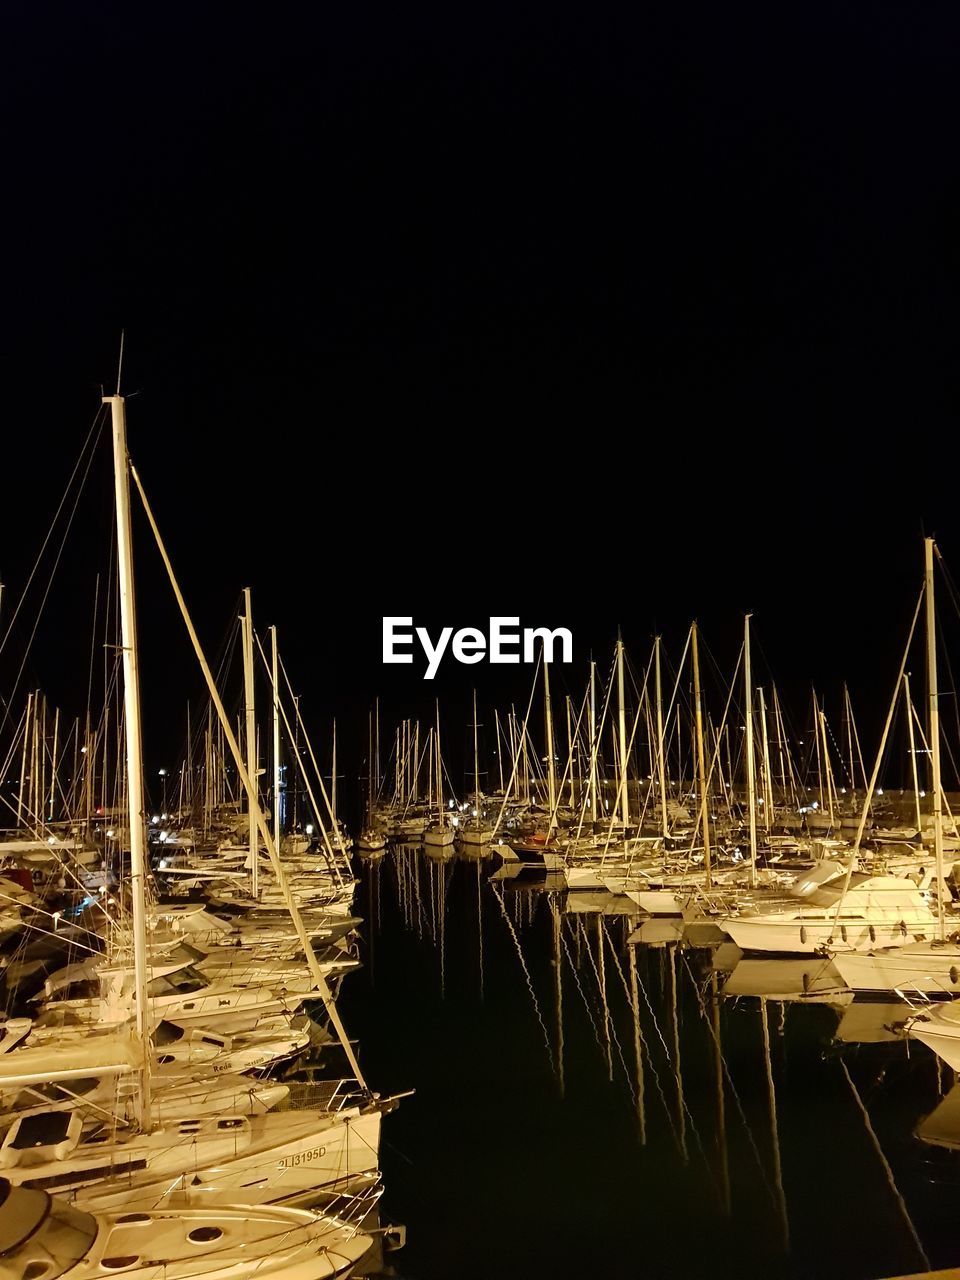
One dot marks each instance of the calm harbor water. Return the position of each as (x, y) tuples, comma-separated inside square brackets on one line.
[(534, 1147)]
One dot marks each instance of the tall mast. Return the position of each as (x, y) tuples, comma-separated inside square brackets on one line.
[(573, 794), (333, 781), (622, 726), (476, 757), (933, 730), (593, 741), (661, 762), (251, 738), (276, 736), (376, 742), (23, 762), (551, 771), (701, 766), (816, 738), (131, 711), (751, 770), (53, 763), (913, 749), (768, 805), (826, 764), (496, 714), (439, 768)]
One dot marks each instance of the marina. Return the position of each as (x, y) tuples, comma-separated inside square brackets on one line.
[(638, 964), (479, 634)]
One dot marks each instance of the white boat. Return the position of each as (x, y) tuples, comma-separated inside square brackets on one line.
[(930, 968), (42, 1237), (280, 1156), (176, 990), (939, 1028), (875, 911)]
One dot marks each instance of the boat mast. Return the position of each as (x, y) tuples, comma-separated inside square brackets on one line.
[(593, 741), (701, 767), (496, 715), (661, 762), (276, 736), (131, 711), (816, 739), (768, 803), (933, 728), (369, 822), (246, 623), (551, 772), (476, 758), (376, 744), (23, 762), (622, 726), (828, 769), (439, 769), (333, 783), (573, 794), (913, 749), (751, 769)]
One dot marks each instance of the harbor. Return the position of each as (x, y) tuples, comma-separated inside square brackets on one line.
[(479, 633), (645, 938)]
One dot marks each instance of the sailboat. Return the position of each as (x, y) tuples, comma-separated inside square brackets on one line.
[(371, 842), (339, 839), (440, 833), (476, 833), (42, 1236), (256, 1159), (929, 965)]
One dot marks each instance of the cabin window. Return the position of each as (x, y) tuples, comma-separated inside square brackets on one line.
[(167, 1033), (183, 982), (42, 1131), (87, 990)]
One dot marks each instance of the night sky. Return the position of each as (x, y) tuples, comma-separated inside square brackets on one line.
[(598, 315)]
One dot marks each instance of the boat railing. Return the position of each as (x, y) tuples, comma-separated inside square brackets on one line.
[(323, 1095)]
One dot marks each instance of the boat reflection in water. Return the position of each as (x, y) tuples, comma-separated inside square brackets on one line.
[(602, 1050)]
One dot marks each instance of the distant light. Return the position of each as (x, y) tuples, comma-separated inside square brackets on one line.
[(451, 804), (83, 751), (879, 791), (309, 828), (163, 773), (155, 819), (923, 795), (51, 839), (110, 834)]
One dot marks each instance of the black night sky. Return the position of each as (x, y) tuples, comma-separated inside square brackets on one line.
[(599, 315)]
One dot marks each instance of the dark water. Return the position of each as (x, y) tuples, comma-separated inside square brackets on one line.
[(499, 1170)]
